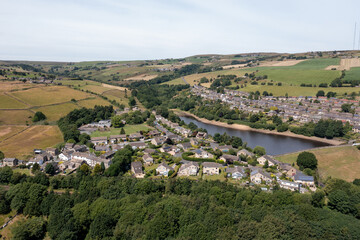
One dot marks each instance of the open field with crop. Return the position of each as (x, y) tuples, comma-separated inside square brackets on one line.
[(36, 136), (129, 129), (338, 162)]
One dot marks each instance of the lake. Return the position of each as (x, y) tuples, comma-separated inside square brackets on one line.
[(274, 144)]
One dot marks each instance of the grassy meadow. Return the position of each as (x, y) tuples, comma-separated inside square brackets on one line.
[(338, 162), (39, 136), (129, 129)]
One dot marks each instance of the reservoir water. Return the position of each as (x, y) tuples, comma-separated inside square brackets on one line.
[(274, 144)]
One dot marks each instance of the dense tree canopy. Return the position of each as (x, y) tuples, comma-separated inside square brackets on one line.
[(306, 160)]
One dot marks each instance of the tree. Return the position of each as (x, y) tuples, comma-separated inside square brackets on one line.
[(102, 227), (122, 131), (346, 107), (2, 155), (84, 169), (356, 181), (259, 150), (35, 168), (97, 169), (318, 199), (39, 116), (266, 165), (117, 121), (50, 169), (5, 174), (132, 101), (320, 93), (31, 229), (306, 160)]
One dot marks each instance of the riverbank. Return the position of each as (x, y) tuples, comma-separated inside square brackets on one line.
[(242, 127)]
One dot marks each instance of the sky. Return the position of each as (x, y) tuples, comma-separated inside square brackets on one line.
[(86, 30)]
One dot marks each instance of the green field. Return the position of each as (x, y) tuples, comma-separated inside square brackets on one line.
[(352, 74), (338, 162), (129, 129)]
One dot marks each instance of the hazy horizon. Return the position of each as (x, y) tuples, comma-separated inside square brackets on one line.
[(110, 30)]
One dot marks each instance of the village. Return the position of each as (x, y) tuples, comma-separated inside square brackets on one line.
[(171, 150), (303, 109)]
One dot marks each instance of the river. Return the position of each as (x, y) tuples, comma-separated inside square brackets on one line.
[(274, 144)]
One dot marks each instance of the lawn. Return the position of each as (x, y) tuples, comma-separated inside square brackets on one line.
[(25, 171), (15, 116), (7, 102), (55, 112), (10, 130), (49, 95), (129, 129), (23, 144), (219, 177), (337, 162)]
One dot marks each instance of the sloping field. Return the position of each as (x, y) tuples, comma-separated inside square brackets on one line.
[(37, 136), (90, 103), (352, 74), (94, 88), (10, 130), (49, 95), (117, 95), (6, 86), (141, 77), (55, 112), (338, 162), (7, 102), (281, 63), (15, 116)]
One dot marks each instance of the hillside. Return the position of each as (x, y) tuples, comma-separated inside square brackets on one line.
[(336, 162), (19, 101)]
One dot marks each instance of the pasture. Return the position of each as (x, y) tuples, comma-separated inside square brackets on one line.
[(49, 95), (38, 136), (10, 130), (7, 102), (12, 117), (90, 103), (338, 162)]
